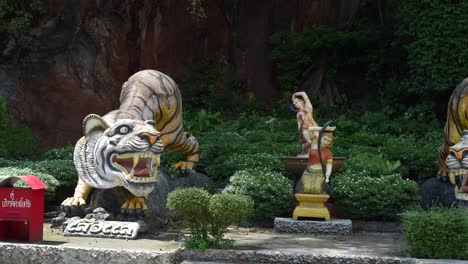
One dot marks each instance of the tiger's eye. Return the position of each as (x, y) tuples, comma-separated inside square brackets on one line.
[(124, 130)]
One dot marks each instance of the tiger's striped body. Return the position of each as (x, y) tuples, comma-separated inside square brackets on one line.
[(123, 147), (152, 95)]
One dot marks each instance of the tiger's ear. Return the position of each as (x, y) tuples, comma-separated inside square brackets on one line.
[(93, 122)]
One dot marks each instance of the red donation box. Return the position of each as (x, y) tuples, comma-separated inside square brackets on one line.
[(22, 209)]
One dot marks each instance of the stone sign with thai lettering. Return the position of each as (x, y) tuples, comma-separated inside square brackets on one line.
[(100, 228)]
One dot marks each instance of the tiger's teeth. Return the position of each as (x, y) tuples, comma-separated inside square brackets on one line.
[(135, 161), (158, 160)]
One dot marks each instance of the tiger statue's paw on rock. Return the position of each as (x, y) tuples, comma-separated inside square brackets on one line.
[(123, 147)]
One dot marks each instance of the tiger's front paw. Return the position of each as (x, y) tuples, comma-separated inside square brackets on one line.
[(184, 166), (133, 209), (73, 206)]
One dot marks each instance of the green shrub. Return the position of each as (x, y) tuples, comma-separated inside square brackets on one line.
[(62, 153), (438, 233), (271, 192), (208, 216), (62, 170), (17, 143), (371, 165), (226, 209), (192, 203), (47, 179), (373, 197)]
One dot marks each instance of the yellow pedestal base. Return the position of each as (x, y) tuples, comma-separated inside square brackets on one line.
[(311, 205)]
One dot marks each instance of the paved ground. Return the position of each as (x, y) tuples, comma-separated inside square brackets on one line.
[(369, 244), (259, 245)]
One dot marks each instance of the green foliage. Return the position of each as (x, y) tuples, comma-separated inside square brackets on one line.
[(202, 121), (365, 197), (368, 188), (271, 192), (373, 165), (17, 143), (192, 203), (63, 171), (208, 215), (17, 15), (62, 153), (47, 179), (199, 86), (433, 33), (345, 50), (250, 142), (226, 209), (438, 233)]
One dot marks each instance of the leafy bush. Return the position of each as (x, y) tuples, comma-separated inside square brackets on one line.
[(47, 179), (368, 188), (438, 233), (271, 192), (227, 209), (372, 165), (417, 156), (63, 171), (17, 143), (208, 215), (367, 197), (192, 203), (62, 153)]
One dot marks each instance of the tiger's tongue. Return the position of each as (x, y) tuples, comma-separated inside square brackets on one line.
[(140, 170)]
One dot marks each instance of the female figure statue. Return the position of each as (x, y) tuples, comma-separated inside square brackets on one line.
[(305, 119)]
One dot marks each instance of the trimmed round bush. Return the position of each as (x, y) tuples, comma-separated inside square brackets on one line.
[(226, 209), (208, 215), (271, 192), (438, 233), (366, 197), (191, 202)]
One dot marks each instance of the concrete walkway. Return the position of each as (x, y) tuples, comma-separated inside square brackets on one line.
[(252, 246)]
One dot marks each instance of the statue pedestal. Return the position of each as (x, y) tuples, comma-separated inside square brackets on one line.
[(311, 205)]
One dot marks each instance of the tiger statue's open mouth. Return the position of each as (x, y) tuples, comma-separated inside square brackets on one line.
[(122, 153), (137, 167)]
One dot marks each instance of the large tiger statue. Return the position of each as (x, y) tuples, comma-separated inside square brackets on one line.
[(453, 149), (452, 156), (123, 147)]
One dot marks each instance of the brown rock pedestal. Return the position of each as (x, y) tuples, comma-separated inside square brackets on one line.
[(311, 205)]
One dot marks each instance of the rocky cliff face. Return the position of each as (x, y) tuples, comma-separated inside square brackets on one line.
[(74, 61)]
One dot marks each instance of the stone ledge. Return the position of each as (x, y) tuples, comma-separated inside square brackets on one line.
[(265, 256), (334, 227), (32, 254)]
